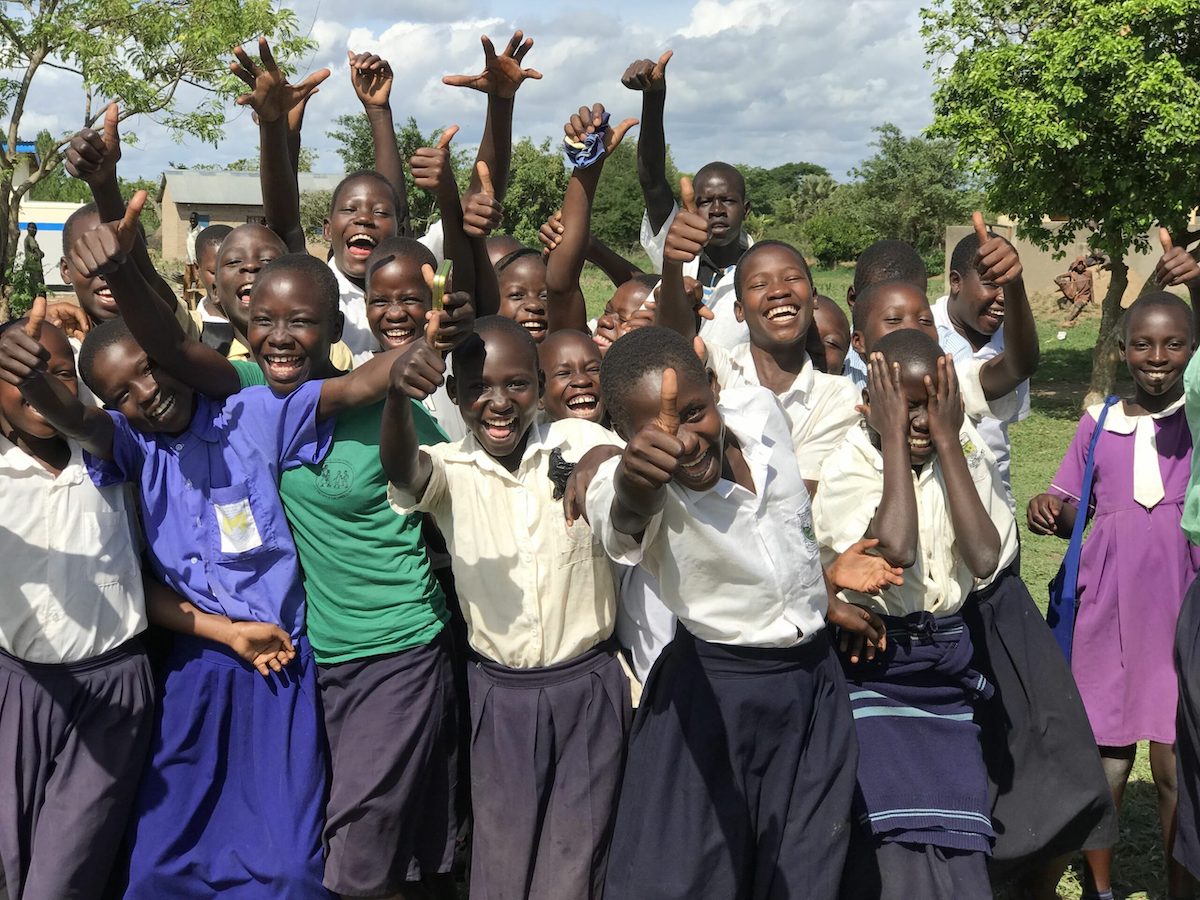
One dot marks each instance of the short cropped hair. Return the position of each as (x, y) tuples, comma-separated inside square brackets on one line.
[(212, 236), (639, 353), (1156, 300), (864, 300), (723, 170), (394, 248), (913, 350), (889, 260), (520, 253), (360, 175), (758, 247), (99, 339), (474, 344), (963, 256), (74, 221), (309, 269)]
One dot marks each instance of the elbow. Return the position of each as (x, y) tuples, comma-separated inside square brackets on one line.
[(984, 560)]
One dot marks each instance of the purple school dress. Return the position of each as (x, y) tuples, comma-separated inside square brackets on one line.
[(1135, 568)]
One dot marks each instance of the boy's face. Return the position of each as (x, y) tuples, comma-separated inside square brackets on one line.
[(570, 364), (835, 337), (777, 299), (720, 201), (1157, 347), (16, 410), (206, 262), (899, 305), (31, 229), (523, 295), (614, 321), (698, 414), (912, 383), (976, 305), (131, 383), (497, 388), (242, 256), (397, 299), (291, 330), (363, 214), (93, 293)]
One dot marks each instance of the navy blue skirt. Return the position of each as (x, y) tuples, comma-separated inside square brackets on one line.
[(1187, 732)]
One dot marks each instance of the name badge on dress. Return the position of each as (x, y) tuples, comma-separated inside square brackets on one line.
[(235, 521)]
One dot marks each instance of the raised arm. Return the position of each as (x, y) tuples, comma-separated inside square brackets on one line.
[(685, 240), (566, 306), (105, 250), (23, 364), (998, 263), (976, 536), (272, 98), (371, 76), (895, 521), (482, 213), (649, 463), (651, 79), (414, 375), (1176, 267), (432, 171)]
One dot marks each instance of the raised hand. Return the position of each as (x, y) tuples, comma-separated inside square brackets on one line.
[(482, 212), (551, 233), (449, 326), (1042, 514), (863, 572), (945, 407), (996, 260), (502, 75), (431, 166), (886, 408), (420, 370), (1176, 266), (92, 156), (265, 646), (371, 76), (271, 96), (647, 75), (652, 456), (689, 231), (106, 247), (589, 121), (22, 357)]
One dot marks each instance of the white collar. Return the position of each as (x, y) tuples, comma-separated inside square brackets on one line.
[(1120, 422)]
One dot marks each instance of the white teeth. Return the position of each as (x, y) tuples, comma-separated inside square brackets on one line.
[(534, 325), (918, 443), (161, 408), (361, 239), (500, 423), (398, 334), (282, 361), (582, 400), (780, 311)]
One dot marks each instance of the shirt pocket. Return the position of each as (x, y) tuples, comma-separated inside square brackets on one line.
[(106, 535), (802, 537), (239, 527), (579, 545)]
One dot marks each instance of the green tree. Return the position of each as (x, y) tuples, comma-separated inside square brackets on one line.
[(812, 190), (771, 191), (842, 225), (535, 188), (138, 52), (916, 187), (617, 214), (1087, 110)]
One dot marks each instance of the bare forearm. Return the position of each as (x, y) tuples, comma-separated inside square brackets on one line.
[(387, 159), (652, 160), (487, 285), (281, 199), (400, 452), (87, 425), (674, 308), (977, 539), (496, 147), (566, 307), (363, 386), (456, 245), (111, 206), (895, 521), (1021, 350), (634, 504), (168, 610)]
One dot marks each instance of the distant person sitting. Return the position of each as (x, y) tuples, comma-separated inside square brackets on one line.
[(1076, 287)]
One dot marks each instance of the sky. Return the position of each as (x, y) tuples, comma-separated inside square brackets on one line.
[(758, 82)]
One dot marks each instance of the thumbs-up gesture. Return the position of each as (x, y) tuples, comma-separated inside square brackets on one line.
[(449, 326), (107, 246), (419, 371), (996, 260), (502, 74), (1176, 266), (588, 121), (689, 230), (482, 212), (271, 96), (22, 357), (647, 75), (431, 166), (92, 156), (652, 457)]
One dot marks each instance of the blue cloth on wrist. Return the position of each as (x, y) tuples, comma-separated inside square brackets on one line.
[(588, 151)]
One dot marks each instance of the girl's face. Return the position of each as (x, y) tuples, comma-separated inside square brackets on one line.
[(1157, 348), (397, 300), (242, 256), (615, 320), (523, 295), (900, 305), (362, 215), (570, 363)]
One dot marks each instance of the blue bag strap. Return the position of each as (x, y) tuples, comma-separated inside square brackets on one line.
[(1064, 627)]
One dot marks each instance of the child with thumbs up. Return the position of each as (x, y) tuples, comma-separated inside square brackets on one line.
[(76, 693), (739, 778), (550, 702)]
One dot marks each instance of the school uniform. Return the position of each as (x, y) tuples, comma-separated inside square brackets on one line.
[(76, 694), (550, 703), (723, 328), (741, 759), (231, 801), (214, 328), (375, 618), (993, 430), (916, 701), (438, 404)]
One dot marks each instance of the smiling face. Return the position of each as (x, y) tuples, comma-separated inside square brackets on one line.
[(894, 306), (570, 364), (291, 330), (17, 412), (242, 256), (92, 292), (698, 415), (722, 202), (497, 385), (614, 321), (912, 383), (776, 297), (975, 306), (1157, 347), (131, 383), (362, 215), (397, 299), (834, 329), (523, 295)]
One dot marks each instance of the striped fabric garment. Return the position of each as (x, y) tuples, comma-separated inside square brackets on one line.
[(921, 777)]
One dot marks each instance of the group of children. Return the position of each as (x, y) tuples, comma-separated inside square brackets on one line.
[(661, 605)]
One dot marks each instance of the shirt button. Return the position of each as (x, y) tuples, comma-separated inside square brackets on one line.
[(180, 447), (195, 559)]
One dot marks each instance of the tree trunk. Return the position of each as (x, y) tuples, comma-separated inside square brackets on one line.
[(8, 243), (1106, 355)]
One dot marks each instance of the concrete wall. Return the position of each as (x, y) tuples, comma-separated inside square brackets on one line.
[(175, 221), (49, 217)]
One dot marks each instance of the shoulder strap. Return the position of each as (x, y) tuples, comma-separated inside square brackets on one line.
[(1074, 548)]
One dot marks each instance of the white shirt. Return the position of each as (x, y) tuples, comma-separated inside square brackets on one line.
[(356, 332), (993, 429), (533, 591), (71, 583), (644, 624), (434, 239), (439, 404), (820, 407), (724, 328), (939, 581), (192, 234), (735, 567)]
